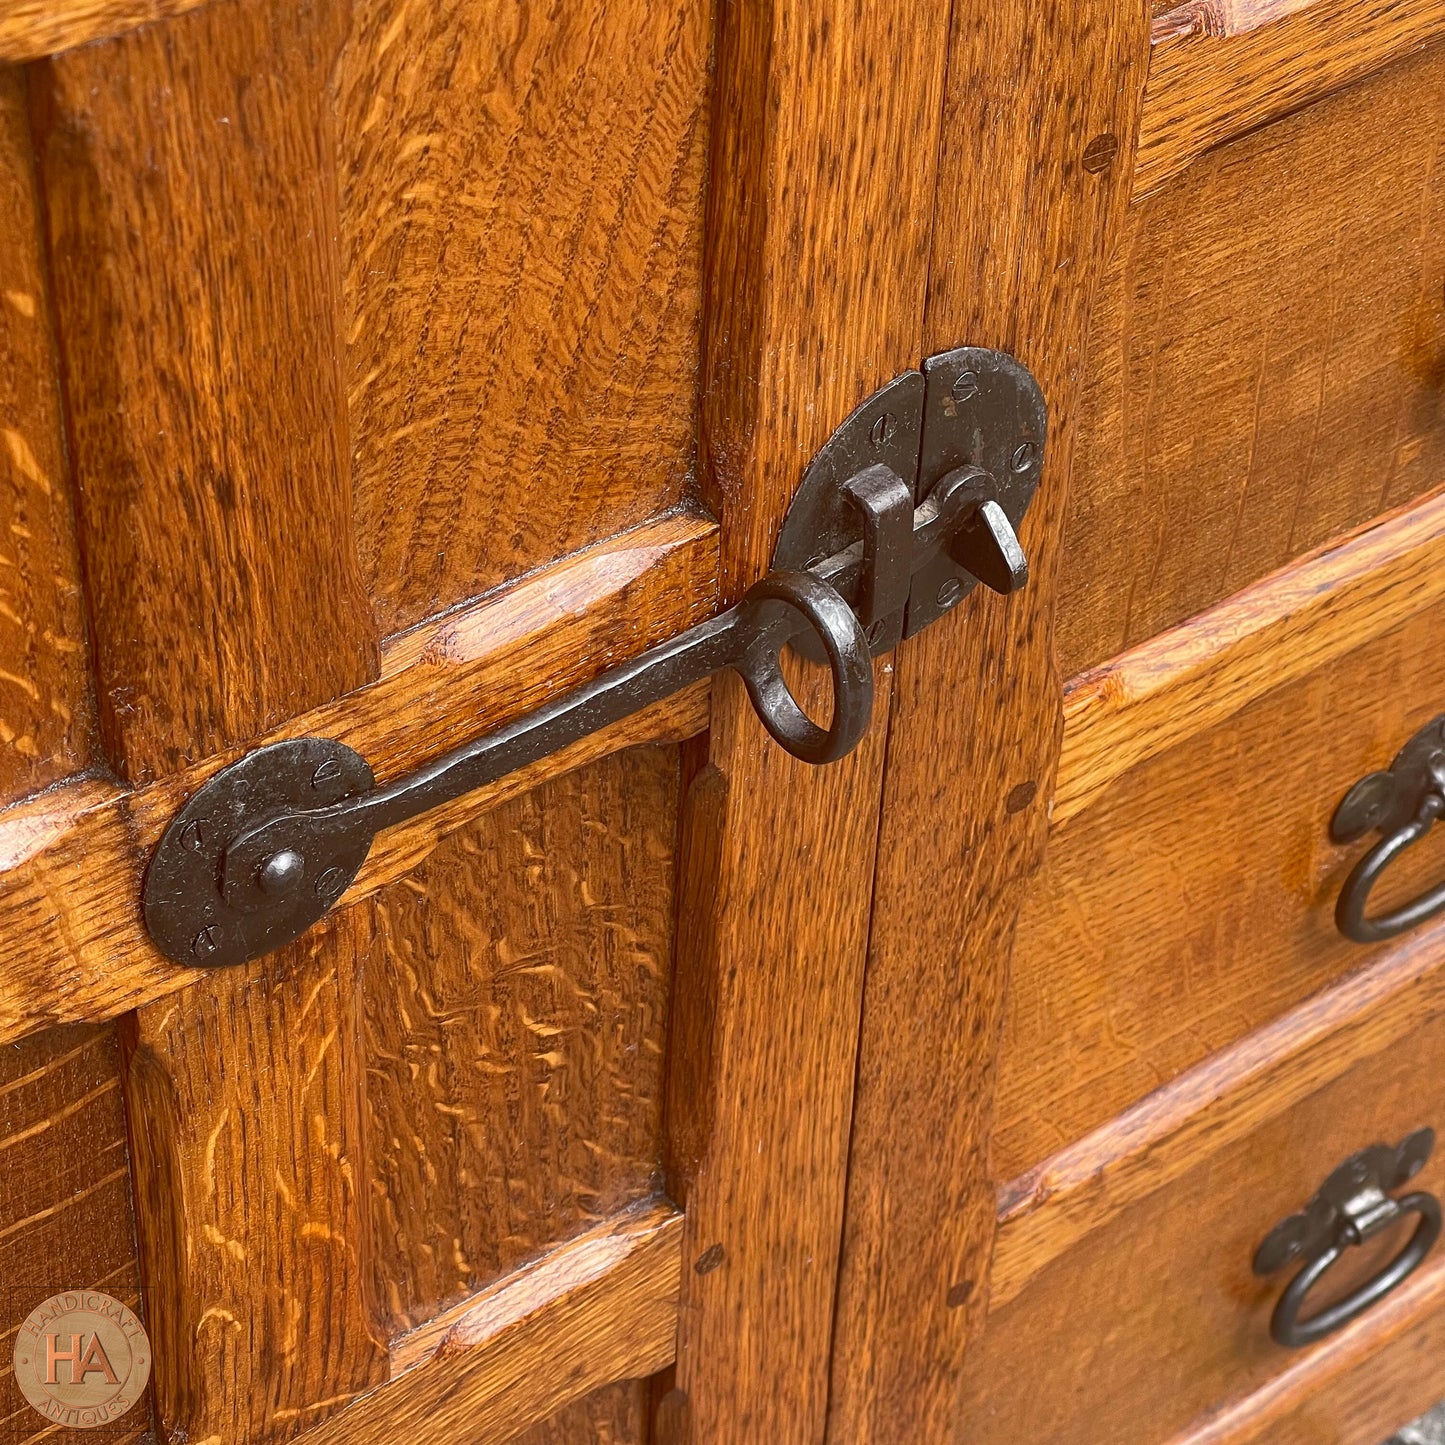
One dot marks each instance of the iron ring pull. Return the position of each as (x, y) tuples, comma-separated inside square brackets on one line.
[(1285, 1325), (1355, 895)]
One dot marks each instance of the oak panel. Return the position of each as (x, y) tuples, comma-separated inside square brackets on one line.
[(1220, 68), (1147, 941), (45, 708), (188, 171), (515, 1010), (65, 1208), (1176, 1320), (1266, 362), (72, 943), (30, 29), (521, 202), (613, 1415)]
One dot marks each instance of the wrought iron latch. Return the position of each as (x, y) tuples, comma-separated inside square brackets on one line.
[(913, 502)]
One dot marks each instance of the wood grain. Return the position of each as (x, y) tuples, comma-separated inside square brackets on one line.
[(189, 184), (72, 944), (1045, 1212), (1266, 362), (600, 1308), (614, 1415), (1021, 231), (46, 716), (1352, 1387), (1147, 942), (515, 1011), (1198, 675), (1176, 1321), (65, 1209), (818, 217), (1220, 68), (245, 1101), (30, 29), (521, 202)]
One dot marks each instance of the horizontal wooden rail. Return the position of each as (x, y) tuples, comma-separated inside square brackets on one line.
[(599, 1308), (72, 942), (1053, 1206), (30, 29), (1211, 667), (1219, 68)]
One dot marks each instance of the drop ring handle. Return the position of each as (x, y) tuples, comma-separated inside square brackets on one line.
[(1285, 1325), (1354, 897)]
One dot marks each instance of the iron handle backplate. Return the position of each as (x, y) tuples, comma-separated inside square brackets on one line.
[(912, 502), (1352, 1205), (1401, 803)]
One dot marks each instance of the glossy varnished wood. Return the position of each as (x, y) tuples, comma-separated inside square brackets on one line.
[(65, 1208), (30, 29), (809, 308), (1265, 362), (1221, 68), (521, 207), (72, 943), (1021, 230), (46, 719), (616, 1414), (188, 171), (515, 1011), (1173, 1319), (599, 1309), (1145, 945)]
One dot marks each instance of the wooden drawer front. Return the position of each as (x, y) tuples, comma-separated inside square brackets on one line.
[(1188, 892), (1122, 1273)]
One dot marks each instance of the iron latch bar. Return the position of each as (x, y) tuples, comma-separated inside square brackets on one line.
[(267, 846)]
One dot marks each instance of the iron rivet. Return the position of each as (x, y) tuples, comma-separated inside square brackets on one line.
[(331, 882), (205, 942), (965, 386), (191, 836), (1023, 457), (282, 871), (883, 429), (326, 772), (874, 632), (950, 592)]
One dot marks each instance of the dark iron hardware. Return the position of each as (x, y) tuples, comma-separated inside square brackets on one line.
[(1402, 803), (912, 502), (1352, 1205)]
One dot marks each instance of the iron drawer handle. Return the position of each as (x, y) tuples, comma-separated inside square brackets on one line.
[(1403, 803), (910, 504), (1351, 1206)]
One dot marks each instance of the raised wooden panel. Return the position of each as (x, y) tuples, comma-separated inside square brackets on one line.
[(521, 201), (45, 709), (1195, 900), (65, 1204), (1266, 361), (613, 1415), (516, 1004), (188, 171), (1155, 1316)]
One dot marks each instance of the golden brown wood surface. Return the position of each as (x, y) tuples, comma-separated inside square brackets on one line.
[(614, 1415), (599, 1309), (30, 29), (65, 1205), (515, 1011), (244, 1096), (1388, 1366), (46, 718), (1021, 231), (818, 227), (521, 206), (72, 944), (188, 173), (1083, 1187), (1202, 673), (1145, 944), (1221, 68), (1265, 362), (1173, 1318)]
